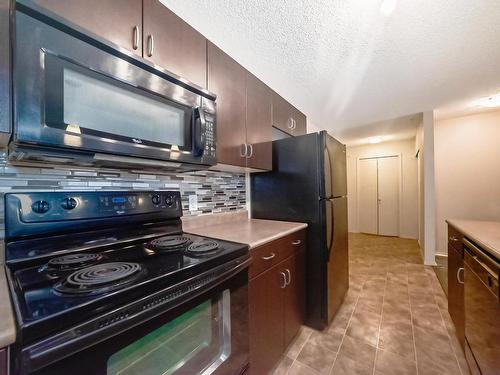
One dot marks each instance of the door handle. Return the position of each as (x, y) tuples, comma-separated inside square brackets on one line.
[(290, 123), (151, 45), (296, 242), (250, 146), (283, 286), (289, 276), (199, 138), (244, 150), (460, 281), (269, 257), (135, 43)]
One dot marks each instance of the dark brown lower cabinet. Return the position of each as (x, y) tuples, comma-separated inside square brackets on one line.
[(276, 300), (3, 362), (456, 305), (266, 317)]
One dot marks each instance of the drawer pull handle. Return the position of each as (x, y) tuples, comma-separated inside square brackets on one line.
[(269, 257), (460, 281), (289, 276), (283, 286), (453, 238), (296, 242)]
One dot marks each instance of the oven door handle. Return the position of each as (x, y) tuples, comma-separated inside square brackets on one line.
[(199, 128), (89, 333)]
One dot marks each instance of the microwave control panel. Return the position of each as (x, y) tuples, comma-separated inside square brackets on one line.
[(209, 139)]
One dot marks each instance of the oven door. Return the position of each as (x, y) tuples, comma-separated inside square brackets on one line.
[(79, 95), (205, 335)]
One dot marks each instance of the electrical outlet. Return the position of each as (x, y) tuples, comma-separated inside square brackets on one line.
[(193, 202)]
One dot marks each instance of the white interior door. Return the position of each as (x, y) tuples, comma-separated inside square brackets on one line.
[(388, 196), (367, 196)]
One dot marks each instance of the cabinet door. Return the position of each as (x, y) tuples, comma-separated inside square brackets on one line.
[(119, 21), (227, 79), (259, 123), (172, 44), (299, 122), (456, 306), (294, 295), (282, 114), (266, 301)]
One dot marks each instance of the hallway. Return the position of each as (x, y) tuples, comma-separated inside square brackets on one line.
[(394, 319)]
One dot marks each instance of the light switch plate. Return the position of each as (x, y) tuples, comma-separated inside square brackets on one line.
[(193, 203)]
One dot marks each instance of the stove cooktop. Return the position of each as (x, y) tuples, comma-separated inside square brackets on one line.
[(67, 288)]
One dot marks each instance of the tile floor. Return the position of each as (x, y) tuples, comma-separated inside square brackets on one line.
[(394, 319)]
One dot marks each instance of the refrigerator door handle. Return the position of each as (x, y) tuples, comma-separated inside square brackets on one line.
[(331, 231), (328, 176)]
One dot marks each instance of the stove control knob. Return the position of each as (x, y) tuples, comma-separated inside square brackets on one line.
[(169, 201), (40, 207), (156, 199), (69, 203)]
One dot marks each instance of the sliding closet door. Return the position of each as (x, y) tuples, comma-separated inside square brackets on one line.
[(367, 196), (388, 196)]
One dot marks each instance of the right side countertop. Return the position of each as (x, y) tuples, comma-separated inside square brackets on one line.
[(484, 233)]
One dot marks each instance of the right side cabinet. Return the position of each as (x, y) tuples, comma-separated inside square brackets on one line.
[(276, 299), (456, 306)]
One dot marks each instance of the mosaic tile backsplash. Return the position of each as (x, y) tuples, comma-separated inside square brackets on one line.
[(216, 191)]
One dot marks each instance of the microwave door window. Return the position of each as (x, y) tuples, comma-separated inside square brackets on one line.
[(93, 104)]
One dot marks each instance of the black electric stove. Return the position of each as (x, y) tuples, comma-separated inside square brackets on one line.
[(74, 257)]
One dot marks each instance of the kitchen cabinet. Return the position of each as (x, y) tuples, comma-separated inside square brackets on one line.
[(456, 306), (119, 21), (244, 132), (172, 44), (258, 123), (286, 117), (227, 79), (276, 299)]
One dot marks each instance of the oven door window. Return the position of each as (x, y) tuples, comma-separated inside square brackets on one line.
[(79, 100), (196, 342)]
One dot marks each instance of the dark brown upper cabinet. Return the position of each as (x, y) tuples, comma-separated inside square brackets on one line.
[(227, 79), (119, 21), (172, 44), (259, 124), (286, 117)]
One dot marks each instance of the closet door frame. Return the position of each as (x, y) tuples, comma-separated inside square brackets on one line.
[(400, 185)]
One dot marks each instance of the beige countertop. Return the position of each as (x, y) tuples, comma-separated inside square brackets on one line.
[(7, 323), (484, 233), (239, 228)]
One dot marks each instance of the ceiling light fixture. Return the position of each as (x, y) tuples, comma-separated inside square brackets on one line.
[(388, 6), (489, 101), (374, 140)]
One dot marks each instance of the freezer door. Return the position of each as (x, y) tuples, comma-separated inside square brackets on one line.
[(335, 173), (338, 260)]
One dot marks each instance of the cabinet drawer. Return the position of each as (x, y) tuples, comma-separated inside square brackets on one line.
[(455, 239), (267, 255)]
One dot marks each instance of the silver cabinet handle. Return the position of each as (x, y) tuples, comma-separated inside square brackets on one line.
[(251, 151), (151, 45), (290, 123), (269, 257), (453, 238), (296, 242), (460, 281), (294, 123), (135, 44), (283, 286), (244, 150), (289, 276)]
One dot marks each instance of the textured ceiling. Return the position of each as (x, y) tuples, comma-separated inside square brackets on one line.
[(345, 64)]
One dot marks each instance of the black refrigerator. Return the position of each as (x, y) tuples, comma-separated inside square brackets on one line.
[(308, 184)]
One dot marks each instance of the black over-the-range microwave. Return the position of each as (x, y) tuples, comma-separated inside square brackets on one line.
[(83, 101)]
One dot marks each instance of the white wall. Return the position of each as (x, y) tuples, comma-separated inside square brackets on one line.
[(467, 164), (409, 188)]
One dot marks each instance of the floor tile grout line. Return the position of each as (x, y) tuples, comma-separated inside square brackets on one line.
[(380, 326), (301, 347), (411, 317), (446, 329), (347, 326)]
